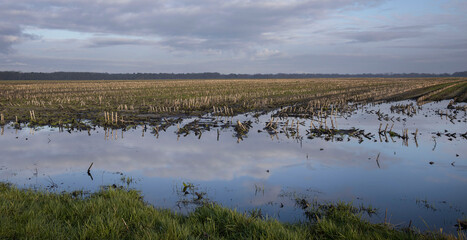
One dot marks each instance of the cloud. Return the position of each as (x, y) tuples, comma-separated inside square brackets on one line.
[(184, 43), (109, 42), (181, 24), (451, 45), (241, 36), (265, 53), (8, 36), (377, 36), (189, 158), (382, 33)]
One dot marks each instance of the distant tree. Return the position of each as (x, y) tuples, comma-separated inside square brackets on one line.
[(15, 75)]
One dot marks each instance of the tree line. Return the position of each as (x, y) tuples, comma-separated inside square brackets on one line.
[(16, 75)]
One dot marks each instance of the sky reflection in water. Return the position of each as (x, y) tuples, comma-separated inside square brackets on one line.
[(260, 171)]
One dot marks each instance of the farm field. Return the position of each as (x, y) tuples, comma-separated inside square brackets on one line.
[(387, 154), (123, 103), (303, 119)]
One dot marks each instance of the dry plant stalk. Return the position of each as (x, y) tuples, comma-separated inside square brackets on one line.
[(223, 97)]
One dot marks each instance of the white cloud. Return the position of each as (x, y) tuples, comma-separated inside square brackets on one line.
[(265, 53)]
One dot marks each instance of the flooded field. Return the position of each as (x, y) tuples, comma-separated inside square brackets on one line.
[(406, 161)]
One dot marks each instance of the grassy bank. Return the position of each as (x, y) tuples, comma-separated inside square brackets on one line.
[(125, 103), (122, 214)]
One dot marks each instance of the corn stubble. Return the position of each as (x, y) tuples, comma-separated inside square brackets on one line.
[(136, 102)]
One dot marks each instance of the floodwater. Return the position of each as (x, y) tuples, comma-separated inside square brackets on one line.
[(422, 180)]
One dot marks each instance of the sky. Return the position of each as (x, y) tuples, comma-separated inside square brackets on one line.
[(234, 36)]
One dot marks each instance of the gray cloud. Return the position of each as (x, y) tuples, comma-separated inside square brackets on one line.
[(451, 45), (432, 61), (109, 42), (377, 36), (182, 24), (383, 33), (241, 36), (8, 36)]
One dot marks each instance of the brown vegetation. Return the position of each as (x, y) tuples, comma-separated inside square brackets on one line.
[(120, 103)]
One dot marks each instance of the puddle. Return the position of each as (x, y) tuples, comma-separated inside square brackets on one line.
[(419, 179)]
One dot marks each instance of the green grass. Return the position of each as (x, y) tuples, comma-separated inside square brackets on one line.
[(122, 214), (419, 92), (457, 92)]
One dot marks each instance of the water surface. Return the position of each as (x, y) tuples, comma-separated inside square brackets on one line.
[(419, 181)]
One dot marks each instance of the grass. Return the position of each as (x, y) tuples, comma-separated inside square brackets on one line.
[(457, 91), (70, 103), (122, 214), (434, 92)]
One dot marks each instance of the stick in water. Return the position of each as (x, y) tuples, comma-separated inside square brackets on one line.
[(89, 169)]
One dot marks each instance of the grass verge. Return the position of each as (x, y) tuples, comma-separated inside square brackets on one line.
[(122, 214)]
